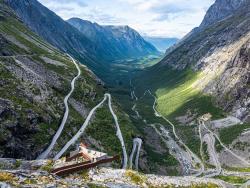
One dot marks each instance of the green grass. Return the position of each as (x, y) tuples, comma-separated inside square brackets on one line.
[(180, 96), (237, 169), (14, 28), (48, 166), (18, 163), (102, 128), (135, 177), (218, 146), (193, 142), (175, 92), (233, 179), (144, 106), (162, 159), (205, 152), (44, 135), (226, 135)]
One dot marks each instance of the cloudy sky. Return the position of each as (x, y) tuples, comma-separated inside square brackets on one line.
[(162, 18)]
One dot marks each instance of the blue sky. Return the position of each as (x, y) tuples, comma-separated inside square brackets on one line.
[(161, 18)]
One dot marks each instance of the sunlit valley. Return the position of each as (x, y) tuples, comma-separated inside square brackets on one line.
[(94, 100)]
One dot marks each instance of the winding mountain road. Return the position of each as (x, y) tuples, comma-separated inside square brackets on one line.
[(132, 93), (118, 133), (82, 129), (136, 112), (182, 159), (226, 148), (194, 156), (201, 140), (246, 185), (45, 154), (137, 142), (210, 140), (175, 150)]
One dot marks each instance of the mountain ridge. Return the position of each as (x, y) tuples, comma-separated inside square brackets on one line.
[(69, 39), (120, 42), (220, 10)]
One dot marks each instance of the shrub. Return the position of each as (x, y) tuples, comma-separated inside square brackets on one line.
[(18, 163), (6, 177), (134, 177), (48, 167)]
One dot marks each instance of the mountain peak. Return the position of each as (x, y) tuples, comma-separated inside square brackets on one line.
[(220, 10)]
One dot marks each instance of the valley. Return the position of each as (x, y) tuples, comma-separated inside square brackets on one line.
[(144, 112), (174, 119)]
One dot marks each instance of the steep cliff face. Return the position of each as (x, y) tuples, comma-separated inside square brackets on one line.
[(219, 51), (118, 42), (226, 75)]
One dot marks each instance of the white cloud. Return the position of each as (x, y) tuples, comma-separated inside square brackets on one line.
[(168, 18)]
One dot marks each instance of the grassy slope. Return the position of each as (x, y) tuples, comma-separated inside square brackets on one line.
[(175, 93), (84, 86), (233, 179), (176, 96)]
